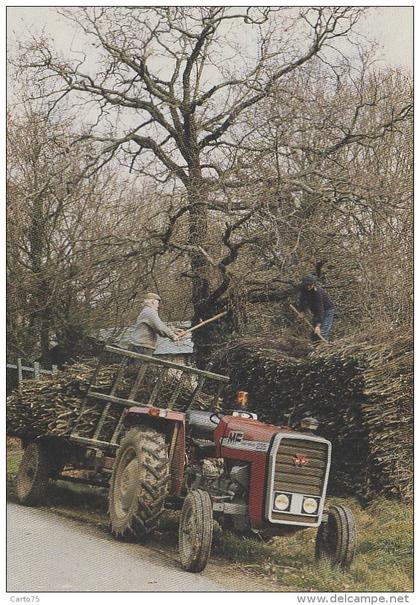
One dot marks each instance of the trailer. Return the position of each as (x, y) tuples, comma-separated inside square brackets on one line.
[(57, 458)]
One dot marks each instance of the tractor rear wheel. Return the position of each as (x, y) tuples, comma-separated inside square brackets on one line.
[(196, 530), (33, 475), (337, 538), (139, 483)]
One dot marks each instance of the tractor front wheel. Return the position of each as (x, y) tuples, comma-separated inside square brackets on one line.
[(139, 483), (33, 475), (196, 531), (337, 538)]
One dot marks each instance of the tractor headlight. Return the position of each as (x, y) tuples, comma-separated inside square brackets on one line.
[(310, 506), (281, 501)]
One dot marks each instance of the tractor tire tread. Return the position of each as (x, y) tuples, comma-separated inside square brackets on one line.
[(341, 521), (194, 558), (152, 487)]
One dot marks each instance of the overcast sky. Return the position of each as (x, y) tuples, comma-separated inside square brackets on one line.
[(391, 27)]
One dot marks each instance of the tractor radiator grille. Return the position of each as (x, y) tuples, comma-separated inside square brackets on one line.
[(306, 479), (300, 467)]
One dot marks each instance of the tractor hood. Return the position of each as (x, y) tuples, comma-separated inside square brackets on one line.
[(245, 434)]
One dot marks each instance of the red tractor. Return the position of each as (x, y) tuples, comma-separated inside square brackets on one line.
[(250, 476)]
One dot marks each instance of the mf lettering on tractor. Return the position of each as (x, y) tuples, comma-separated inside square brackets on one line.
[(234, 437)]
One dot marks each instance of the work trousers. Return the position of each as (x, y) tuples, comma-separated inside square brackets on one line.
[(327, 323)]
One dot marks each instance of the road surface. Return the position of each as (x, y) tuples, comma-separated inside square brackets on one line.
[(46, 552)]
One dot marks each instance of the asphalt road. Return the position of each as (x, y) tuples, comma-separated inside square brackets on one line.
[(46, 552)]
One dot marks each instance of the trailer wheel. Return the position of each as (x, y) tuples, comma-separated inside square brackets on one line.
[(139, 483), (337, 538), (33, 475), (196, 531)]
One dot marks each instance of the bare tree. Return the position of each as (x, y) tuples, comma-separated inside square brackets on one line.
[(67, 238), (346, 215), (175, 94)]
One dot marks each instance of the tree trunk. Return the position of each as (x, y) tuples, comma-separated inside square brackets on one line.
[(200, 287), (40, 316)]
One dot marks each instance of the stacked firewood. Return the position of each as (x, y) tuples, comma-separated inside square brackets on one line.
[(362, 394), (388, 414), (50, 405), (59, 404)]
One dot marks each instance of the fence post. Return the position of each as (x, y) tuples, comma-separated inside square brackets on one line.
[(19, 370), (36, 370)]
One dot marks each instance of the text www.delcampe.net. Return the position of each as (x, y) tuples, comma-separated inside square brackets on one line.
[(354, 599)]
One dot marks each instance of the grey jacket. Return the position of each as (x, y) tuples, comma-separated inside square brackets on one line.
[(147, 327)]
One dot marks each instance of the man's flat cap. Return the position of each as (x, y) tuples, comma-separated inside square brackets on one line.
[(310, 279), (152, 296)]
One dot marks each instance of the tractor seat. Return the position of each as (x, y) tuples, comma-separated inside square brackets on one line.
[(200, 425)]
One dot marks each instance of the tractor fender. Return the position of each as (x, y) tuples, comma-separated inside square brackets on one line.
[(136, 415)]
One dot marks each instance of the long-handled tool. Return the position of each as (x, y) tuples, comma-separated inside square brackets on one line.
[(308, 322), (201, 324)]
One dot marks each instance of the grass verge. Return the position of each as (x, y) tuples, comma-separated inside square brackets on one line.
[(385, 536)]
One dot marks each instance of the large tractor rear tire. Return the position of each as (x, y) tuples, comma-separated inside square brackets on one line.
[(337, 538), (139, 483), (33, 475), (196, 531)]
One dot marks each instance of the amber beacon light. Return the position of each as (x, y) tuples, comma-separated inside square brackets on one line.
[(241, 399)]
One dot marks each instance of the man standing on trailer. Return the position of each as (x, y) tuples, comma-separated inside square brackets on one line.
[(148, 326), (315, 298)]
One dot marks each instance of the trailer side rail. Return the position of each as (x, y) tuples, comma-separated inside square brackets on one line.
[(132, 371)]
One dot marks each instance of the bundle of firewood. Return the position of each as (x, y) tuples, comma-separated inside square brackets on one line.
[(388, 415), (52, 405), (362, 394)]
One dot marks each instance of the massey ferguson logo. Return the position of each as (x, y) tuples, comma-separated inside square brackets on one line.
[(235, 437), (300, 460)]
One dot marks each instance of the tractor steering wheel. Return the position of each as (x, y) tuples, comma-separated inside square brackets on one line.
[(213, 416), (249, 414)]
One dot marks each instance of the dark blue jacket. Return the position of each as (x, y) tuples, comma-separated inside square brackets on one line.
[(317, 301)]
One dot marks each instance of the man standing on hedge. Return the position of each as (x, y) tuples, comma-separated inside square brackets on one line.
[(148, 326), (316, 299)]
